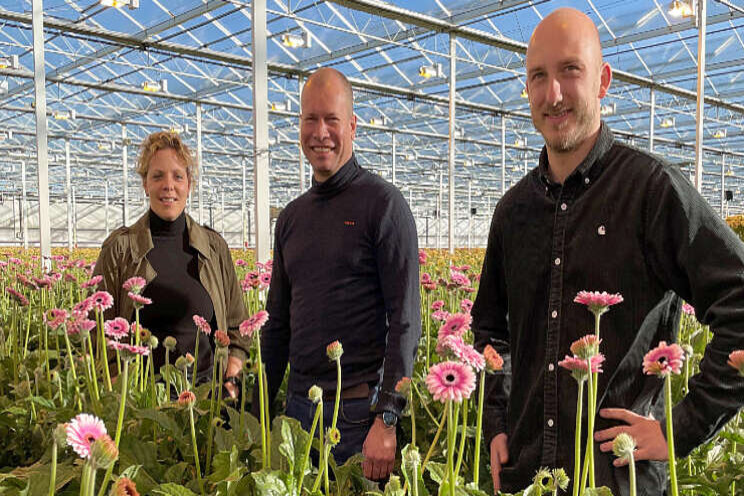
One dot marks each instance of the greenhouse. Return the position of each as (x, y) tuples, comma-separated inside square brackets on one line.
[(444, 116)]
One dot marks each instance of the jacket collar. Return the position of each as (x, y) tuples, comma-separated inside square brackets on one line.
[(140, 238)]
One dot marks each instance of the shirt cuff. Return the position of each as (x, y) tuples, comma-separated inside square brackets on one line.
[(390, 402), (493, 423)]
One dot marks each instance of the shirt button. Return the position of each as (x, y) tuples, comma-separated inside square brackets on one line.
[(551, 367), (550, 422), (557, 261), (554, 313), (564, 206), (586, 180)]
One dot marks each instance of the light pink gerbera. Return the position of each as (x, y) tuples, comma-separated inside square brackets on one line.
[(688, 309), (92, 282), (578, 366), (83, 308), (586, 347), (264, 278), (82, 431), (457, 324), (117, 328), (446, 344), (459, 279), (598, 303), (422, 257), (437, 305), (202, 324), (736, 360), (129, 349), (469, 356), (138, 300), (134, 284), (253, 323), (102, 300), (78, 324), (494, 361), (466, 305), (664, 360), (450, 381), (55, 317), (440, 315)]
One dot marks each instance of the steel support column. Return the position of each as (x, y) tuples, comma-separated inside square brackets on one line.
[(68, 193), (451, 162), (723, 185), (222, 213), (503, 154), (651, 120), (700, 108), (470, 212), (260, 130), (439, 210), (243, 207), (24, 210), (395, 158), (124, 176), (105, 206), (200, 165), (45, 232)]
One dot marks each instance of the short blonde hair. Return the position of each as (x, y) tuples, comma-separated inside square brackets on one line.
[(163, 140)]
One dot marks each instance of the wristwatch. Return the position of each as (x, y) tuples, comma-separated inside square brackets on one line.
[(233, 379), (389, 419)]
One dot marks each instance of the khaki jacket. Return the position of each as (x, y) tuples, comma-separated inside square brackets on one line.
[(123, 256)]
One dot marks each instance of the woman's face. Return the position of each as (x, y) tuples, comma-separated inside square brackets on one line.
[(167, 184)]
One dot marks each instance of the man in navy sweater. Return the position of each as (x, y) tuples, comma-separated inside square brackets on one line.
[(345, 268)]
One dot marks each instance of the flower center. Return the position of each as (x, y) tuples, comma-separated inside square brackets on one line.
[(450, 378)]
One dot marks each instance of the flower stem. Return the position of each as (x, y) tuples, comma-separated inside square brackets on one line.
[(262, 407), (196, 360), (463, 437), (436, 438), (306, 455), (577, 440), (631, 467), (53, 474), (196, 449), (102, 338), (338, 393), (670, 434), (72, 368), (124, 378), (94, 377), (210, 429), (451, 433), (413, 417), (590, 424), (323, 462), (242, 401), (478, 427), (84, 479)]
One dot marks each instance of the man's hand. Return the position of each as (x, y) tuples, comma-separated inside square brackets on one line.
[(650, 441), (234, 364), (499, 456), (379, 451)]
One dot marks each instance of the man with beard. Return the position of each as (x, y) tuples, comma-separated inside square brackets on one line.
[(599, 215)]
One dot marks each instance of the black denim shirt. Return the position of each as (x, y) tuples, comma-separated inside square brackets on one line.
[(623, 222)]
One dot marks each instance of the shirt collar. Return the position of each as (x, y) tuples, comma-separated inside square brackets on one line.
[(586, 169), (339, 180)]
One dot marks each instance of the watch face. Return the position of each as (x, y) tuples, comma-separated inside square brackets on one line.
[(390, 419)]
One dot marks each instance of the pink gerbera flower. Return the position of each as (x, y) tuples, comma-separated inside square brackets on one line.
[(450, 381), (265, 279), (117, 328), (17, 297), (202, 324), (578, 366), (457, 324), (128, 350), (134, 284), (254, 323), (466, 305), (688, 309), (138, 300), (446, 344), (102, 300), (82, 431), (468, 355), (241, 263), (83, 308), (597, 302), (55, 317), (79, 324), (440, 315), (92, 282), (586, 347), (459, 279), (425, 278), (422, 257), (437, 305), (664, 360), (736, 360)]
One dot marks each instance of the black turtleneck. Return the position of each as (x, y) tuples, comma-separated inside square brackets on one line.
[(177, 293), (345, 268)]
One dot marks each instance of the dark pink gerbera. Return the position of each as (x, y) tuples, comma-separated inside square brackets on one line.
[(450, 381), (425, 278), (264, 278), (83, 308), (459, 279), (578, 366), (598, 303), (55, 317), (457, 324), (440, 315), (117, 328), (688, 309), (437, 305), (202, 324), (138, 300), (128, 350), (253, 323), (102, 300), (134, 284), (664, 360), (17, 297), (466, 305), (422, 257), (92, 282)]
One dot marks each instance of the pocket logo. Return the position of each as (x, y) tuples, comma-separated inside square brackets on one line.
[(350, 223)]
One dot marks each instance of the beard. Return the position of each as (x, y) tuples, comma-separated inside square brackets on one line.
[(569, 135)]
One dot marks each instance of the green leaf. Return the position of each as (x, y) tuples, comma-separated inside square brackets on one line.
[(599, 491), (171, 489), (437, 471), (270, 483), (176, 473), (163, 420)]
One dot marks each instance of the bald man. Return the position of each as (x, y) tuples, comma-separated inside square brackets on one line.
[(345, 268), (597, 214)]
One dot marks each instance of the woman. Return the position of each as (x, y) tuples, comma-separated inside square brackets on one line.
[(187, 267)]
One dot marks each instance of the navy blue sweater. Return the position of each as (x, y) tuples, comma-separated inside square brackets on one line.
[(345, 268)]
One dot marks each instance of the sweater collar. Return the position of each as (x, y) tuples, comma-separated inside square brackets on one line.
[(340, 180), (167, 228), (140, 237)]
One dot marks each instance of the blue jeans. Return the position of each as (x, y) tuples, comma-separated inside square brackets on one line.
[(354, 421)]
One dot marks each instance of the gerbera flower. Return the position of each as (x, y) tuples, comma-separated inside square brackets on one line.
[(468, 355), (597, 302), (187, 398), (82, 431), (586, 347), (578, 366), (221, 338), (450, 381), (202, 324), (79, 325), (422, 257), (334, 350), (736, 360), (17, 297), (103, 452), (254, 323), (124, 487), (430, 286), (138, 300), (447, 343), (55, 317), (457, 324), (403, 386), (241, 263), (688, 309), (92, 282), (494, 361), (128, 351), (43, 282), (265, 279), (466, 305), (83, 308), (134, 284), (425, 278), (102, 300), (664, 360), (459, 279), (437, 305), (117, 328), (440, 315)]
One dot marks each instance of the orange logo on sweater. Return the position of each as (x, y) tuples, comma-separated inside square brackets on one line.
[(349, 223)]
